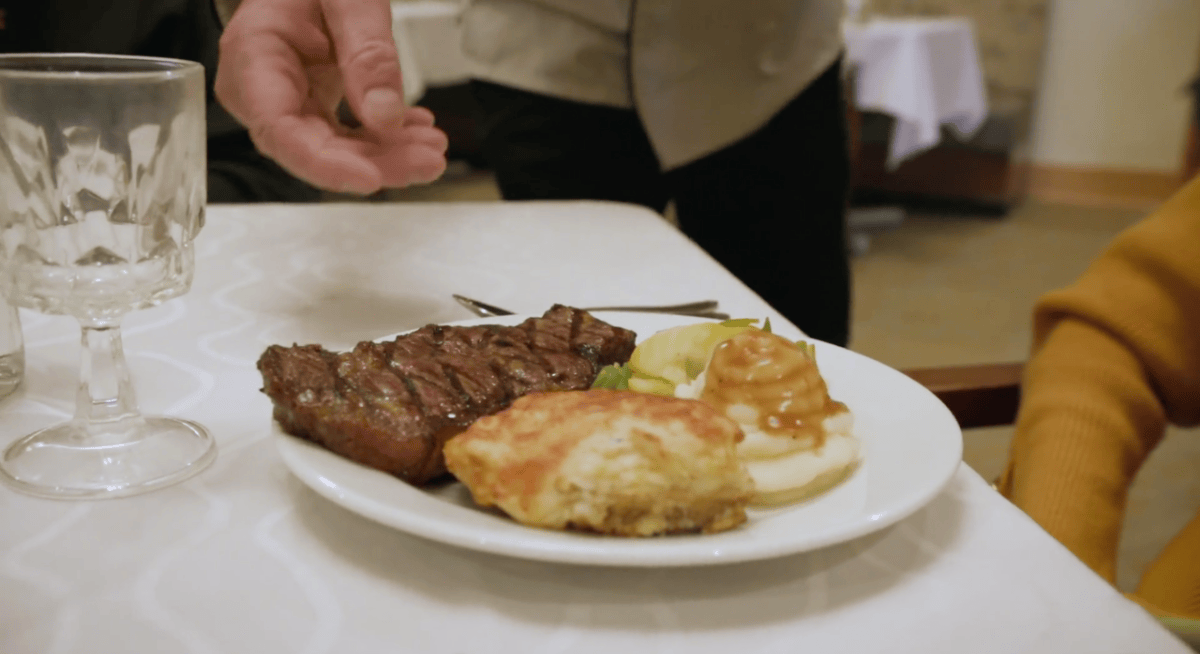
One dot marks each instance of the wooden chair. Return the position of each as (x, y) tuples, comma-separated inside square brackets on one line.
[(984, 395)]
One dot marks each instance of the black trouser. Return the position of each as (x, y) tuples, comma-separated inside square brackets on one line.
[(771, 208), (237, 172)]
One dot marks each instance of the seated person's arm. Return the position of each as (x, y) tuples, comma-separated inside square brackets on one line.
[(1117, 356)]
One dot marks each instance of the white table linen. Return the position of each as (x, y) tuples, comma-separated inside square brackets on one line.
[(244, 558), (925, 72)]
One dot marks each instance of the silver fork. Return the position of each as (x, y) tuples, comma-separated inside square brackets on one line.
[(702, 309)]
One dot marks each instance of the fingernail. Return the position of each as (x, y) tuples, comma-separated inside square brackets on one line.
[(382, 106)]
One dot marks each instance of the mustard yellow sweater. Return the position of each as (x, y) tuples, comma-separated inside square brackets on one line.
[(1116, 357)]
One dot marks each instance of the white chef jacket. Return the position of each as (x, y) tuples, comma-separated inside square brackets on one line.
[(702, 74)]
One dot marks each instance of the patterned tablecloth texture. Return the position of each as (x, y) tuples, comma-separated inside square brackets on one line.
[(245, 558)]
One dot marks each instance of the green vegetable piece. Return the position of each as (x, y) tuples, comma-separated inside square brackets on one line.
[(614, 377), (767, 324), (739, 322), (693, 367), (809, 349)]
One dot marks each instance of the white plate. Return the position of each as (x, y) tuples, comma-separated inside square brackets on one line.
[(912, 446)]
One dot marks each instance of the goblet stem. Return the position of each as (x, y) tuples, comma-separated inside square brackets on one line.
[(109, 449), (105, 393)]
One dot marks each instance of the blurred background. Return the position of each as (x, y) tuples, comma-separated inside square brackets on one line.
[(1055, 125)]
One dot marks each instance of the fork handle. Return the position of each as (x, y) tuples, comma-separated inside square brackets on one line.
[(702, 309), (715, 315), (704, 306)]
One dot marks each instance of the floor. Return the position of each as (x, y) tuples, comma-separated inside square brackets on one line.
[(943, 289)]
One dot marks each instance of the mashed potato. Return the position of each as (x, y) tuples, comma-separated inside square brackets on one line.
[(798, 441)]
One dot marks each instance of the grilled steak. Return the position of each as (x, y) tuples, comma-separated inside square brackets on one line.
[(392, 405)]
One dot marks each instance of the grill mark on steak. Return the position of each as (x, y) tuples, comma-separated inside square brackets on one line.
[(482, 385), (537, 349), (392, 405), (387, 426), (573, 332), (550, 337), (452, 376), (448, 372)]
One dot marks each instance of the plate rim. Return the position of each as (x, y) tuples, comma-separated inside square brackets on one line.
[(304, 460)]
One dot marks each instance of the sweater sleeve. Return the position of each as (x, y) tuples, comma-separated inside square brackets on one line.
[(1116, 357)]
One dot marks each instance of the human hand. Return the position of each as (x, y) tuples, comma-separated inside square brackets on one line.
[(284, 67)]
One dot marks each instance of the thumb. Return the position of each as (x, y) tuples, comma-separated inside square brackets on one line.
[(361, 31)]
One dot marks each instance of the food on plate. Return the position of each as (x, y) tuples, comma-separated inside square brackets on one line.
[(798, 441), (677, 355), (612, 462), (392, 405)]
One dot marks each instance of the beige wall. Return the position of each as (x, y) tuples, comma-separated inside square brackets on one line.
[(1111, 93)]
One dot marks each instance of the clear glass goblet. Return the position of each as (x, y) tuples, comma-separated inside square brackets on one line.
[(102, 190)]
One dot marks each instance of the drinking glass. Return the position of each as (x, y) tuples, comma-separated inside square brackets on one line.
[(12, 349), (102, 189)]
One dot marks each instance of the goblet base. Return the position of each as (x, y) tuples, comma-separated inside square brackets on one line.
[(77, 460)]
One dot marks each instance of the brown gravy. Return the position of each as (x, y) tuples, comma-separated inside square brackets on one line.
[(777, 378)]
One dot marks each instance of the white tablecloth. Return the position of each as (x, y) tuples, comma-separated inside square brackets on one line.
[(244, 558), (925, 72)]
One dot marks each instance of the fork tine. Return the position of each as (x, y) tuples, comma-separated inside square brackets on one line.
[(480, 308)]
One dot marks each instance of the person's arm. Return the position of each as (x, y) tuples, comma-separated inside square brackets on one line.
[(1117, 357), (284, 68)]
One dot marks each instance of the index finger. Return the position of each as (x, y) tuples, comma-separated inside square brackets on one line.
[(361, 31)]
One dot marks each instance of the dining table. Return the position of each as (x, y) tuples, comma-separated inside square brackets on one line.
[(244, 557)]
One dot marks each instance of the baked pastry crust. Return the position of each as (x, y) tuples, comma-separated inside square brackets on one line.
[(612, 462)]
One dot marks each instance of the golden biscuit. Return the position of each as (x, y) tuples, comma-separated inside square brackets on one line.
[(612, 462)]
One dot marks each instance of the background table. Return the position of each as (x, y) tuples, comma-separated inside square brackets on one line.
[(244, 558), (924, 72)]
